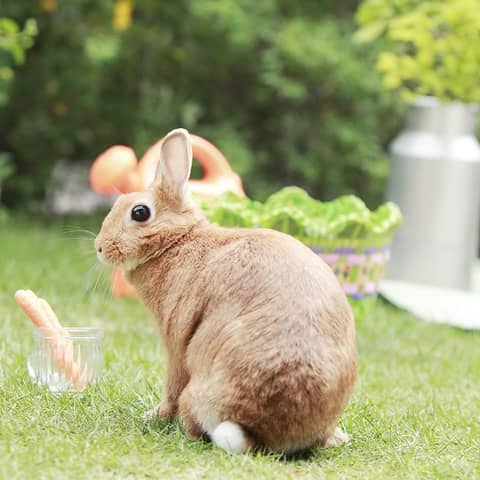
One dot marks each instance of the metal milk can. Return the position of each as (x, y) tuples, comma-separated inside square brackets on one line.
[(435, 179)]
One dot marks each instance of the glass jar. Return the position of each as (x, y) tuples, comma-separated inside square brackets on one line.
[(68, 360)]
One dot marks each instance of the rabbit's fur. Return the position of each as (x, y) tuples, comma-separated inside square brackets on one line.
[(259, 334)]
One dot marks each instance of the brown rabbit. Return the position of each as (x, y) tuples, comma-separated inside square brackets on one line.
[(259, 334)]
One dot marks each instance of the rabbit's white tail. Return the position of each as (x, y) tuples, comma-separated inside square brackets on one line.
[(231, 437)]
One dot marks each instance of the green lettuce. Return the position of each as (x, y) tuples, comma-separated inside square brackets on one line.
[(345, 220)]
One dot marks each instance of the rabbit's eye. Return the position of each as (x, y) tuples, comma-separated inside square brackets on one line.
[(140, 213)]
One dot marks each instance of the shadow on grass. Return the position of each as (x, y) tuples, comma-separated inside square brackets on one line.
[(174, 428)]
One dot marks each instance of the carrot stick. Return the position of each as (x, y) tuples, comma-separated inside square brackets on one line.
[(59, 345), (68, 358), (43, 316), (27, 301), (50, 314), (82, 383), (76, 370), (36, 311)]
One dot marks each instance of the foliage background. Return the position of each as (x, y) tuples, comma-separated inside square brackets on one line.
[(14, 40), (430, 47), (279, 86)]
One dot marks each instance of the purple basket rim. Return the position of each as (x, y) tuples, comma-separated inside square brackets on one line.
[(350, 250)]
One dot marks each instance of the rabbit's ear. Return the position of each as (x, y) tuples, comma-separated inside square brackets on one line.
[(175, 162)]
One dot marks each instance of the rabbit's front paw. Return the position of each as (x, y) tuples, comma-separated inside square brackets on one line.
[(163, 411)]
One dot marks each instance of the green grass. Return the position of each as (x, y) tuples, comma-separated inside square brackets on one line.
[(414, 413)]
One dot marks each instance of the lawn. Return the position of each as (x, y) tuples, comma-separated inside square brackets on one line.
[(414, 413)]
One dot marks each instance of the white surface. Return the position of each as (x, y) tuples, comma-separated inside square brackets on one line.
[(441, 305)]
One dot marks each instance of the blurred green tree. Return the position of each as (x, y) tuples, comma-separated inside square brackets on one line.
[(279, 86), (13, 43), (430, 48)]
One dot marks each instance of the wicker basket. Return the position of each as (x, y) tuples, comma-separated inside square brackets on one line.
[(358, 269)]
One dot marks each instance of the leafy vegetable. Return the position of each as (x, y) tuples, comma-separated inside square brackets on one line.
[(343, 221)]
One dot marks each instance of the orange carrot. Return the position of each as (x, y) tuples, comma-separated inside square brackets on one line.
[(43, 316), (27, 301), (59, 331), (68, 358), (83, 378), (50, 314)]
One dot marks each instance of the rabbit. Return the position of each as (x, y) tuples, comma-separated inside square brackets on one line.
[(259, 334)]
